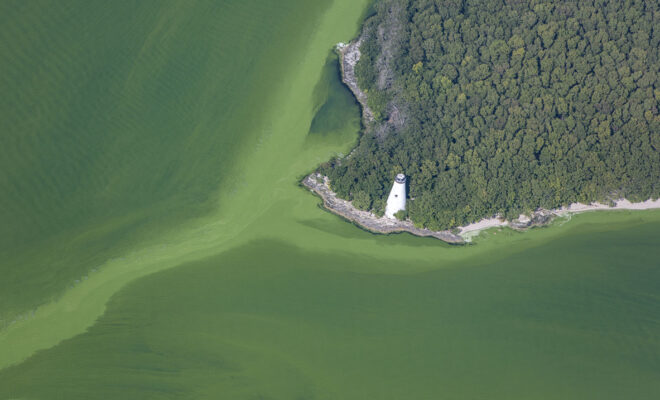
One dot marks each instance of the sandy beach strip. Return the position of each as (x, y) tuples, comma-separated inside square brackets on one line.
[(574, 208)]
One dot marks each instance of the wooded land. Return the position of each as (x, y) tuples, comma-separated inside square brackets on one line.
[(502, 107)]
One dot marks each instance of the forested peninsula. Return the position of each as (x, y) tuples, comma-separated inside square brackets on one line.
[(495, 107)]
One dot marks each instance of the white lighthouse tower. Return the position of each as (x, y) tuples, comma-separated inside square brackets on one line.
[(397, 199)]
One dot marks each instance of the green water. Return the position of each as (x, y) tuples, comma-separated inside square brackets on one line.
[(154, 150)]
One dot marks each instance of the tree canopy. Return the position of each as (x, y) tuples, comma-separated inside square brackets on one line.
[(505, 106)]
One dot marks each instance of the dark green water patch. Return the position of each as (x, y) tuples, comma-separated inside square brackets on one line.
[(337, 108), (576, 317)]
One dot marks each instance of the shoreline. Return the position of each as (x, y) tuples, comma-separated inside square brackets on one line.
[(543, 217)]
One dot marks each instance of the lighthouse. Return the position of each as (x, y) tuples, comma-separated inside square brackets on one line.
[(397, 199)]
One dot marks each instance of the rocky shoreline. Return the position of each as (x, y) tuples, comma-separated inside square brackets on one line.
[(320, 185), (349, 55)]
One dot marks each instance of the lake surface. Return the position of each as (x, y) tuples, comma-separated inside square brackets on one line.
[(156, 244)]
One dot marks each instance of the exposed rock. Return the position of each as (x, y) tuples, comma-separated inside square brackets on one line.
[(349, 55), (538, 218)]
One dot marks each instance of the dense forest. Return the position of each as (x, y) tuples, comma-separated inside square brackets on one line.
[(502, 107)]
